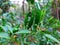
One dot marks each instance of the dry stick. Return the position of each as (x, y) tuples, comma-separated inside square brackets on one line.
[(57, 10), (23, 6)]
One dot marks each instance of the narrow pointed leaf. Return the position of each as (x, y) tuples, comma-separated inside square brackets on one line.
[(52, 38), (4, 35), (23, 31)]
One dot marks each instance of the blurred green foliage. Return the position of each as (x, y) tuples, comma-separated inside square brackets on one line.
[(4, 5), (39, 28), (31, 1)]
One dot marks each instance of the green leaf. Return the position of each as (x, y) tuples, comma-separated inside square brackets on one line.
[(23, 32), (52, 38), (31, 1), (10, 29), (6, 28), (4, 35)]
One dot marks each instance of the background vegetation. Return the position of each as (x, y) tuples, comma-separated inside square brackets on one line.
[(38, 27)]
